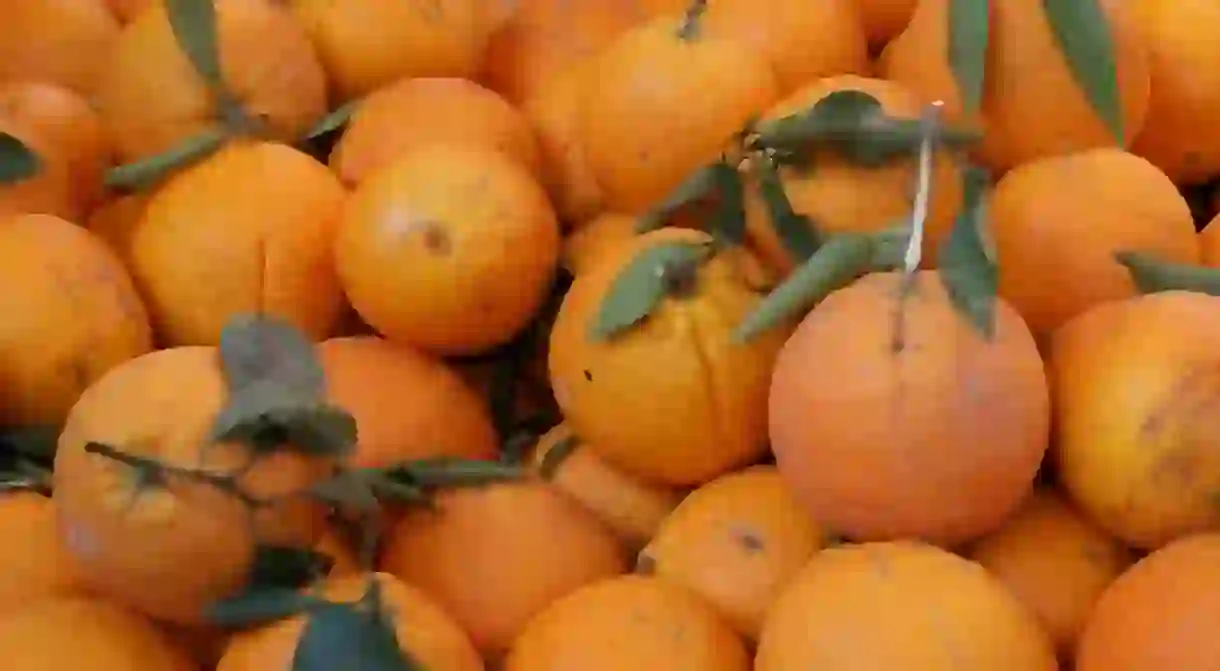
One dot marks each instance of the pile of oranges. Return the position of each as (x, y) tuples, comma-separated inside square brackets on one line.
[(542, 335)]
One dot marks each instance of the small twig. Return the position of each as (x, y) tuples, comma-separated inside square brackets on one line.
[(153, 471), (929, 124)]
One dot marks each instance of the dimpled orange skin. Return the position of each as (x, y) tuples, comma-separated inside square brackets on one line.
[(249, 229), (79, 632), (843, 196), (899, 605), (1137, 415), (1032, 106), (152, 99), (1157, 615), (672, 399), (629, 622), (553, 111), (366, 44), (412, 113), (35, 565), (58, 41), (659, 106), (171, 551), (73, 314), (450, 249), (940, 440), (1057, 223), (423, 630)]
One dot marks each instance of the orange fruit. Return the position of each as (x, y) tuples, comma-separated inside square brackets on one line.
[(1058, 243), (780, 30), (63, 42), (72, 315), (495, 556), (103, 637), (597, 239), (1136, 413), (1032, 106), (366, 44), (934, 433), (637, 129), (1209, 243), (899, 605), (340, 550), (629, 622), (632, 508), (413, 113), (249, 229), (170, 549), (115, 222), (735, 541), (673, 400), (126, 10), (1055, 561), (545, 38), (1177, 134), (152, 99), (553, 111), (422, 629), (65, 120), (884, 19), (50, 189), (451, 249), (1154, 616), (841, 195), (35, 565), (441, 416)]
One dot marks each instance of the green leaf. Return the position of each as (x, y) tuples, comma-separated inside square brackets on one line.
[(554, 457), (969, 30), (728, 224), (966, 265), (285, 566), (444, 472), (1082, 31), (333, 121), (255, 348), (17, 161), (194, 26), (798, 233), (350, 491), (1152, 275), (842, 259), (698, 186), (350, 636), (258, 606), (148, 171), (640, 286), (269, 417)]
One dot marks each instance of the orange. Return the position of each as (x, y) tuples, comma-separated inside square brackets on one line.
[(35, 565), (115, 222), (1137, 411), (553, 111), (407, 404), (931, 432), (65, 120), (450, 249), (736, 541), (843, 196), (597, 239), (72, 314), (1055, 561), (638, 124), (1185, 93), (422, 629), (1032, 106), (495, 556), (1209, 243), (62, 42), (900, 605), (171, 549), (413, 113), (126, 10), (340, 550), (250, 229), (152, 99), (49, 190), (1058, 243), (545, 38), (366, 44), (673, 399), (1155, 615), (102, 636), (632, 508), (780, 30), (630, 622), (884, 19)]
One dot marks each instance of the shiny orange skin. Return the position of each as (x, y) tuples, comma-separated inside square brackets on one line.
[(408, 405), (935, 433), (450, 249), (152, 99), (412, 113), (170, 551), (554, 113), (35, 565), (63, 42), (630, 622), (899, 605), (73, 314)]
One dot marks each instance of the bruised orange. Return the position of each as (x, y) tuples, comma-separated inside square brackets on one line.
[(553, 111), (63, 42), (35, 565), (73, 314)]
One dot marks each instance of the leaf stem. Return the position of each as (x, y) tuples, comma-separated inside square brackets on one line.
[(690, 20)]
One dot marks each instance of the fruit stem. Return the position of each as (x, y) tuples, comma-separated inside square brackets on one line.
[(680, 277), (690, 20)]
